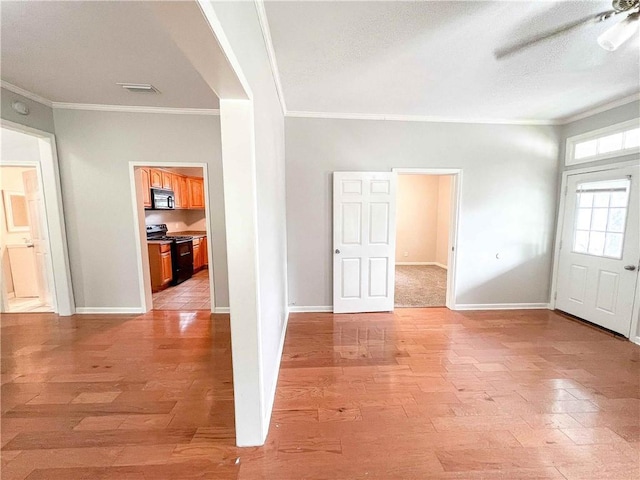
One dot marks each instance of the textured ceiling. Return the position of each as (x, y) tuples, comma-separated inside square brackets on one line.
[(437, 59), (76, 52)]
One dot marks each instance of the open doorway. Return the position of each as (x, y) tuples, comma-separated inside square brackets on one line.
[(176, 240), (423, 235), (27, 269)]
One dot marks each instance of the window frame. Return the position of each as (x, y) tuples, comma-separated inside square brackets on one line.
[(596, 135)]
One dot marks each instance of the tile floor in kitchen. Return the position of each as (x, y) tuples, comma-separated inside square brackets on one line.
[(192, 294)]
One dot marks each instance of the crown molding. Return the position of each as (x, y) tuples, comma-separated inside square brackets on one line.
[(25, 93), (600, 108), (135, 109), (266, 34), (418, 118)]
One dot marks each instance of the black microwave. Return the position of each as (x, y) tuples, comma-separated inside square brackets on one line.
[(162, 199)]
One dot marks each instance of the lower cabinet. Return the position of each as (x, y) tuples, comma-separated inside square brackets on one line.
[(160, 265), (200, 255), (197, 255)]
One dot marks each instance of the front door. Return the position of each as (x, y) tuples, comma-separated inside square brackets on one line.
[(364, 223), (600, 248)]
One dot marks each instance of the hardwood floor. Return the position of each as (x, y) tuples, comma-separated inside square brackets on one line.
[(420, 393)]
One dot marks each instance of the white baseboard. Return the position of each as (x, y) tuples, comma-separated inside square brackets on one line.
[(221, 310), (298, 309), (635, 340), (441, 265), (501, 306), (108, 310), (272, 398)]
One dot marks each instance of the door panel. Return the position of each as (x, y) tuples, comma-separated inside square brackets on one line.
[(364, 206), (39, 236), (600, 247)]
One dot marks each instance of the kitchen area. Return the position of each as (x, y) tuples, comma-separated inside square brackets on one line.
[(176, 237)]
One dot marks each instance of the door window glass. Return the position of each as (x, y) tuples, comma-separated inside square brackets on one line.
[(601, 216)]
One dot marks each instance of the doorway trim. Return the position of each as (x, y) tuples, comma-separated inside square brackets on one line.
[(139, 228), (454, 219), (49, 178), (559, 225)]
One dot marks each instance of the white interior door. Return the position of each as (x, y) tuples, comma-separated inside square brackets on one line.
[(364, 237), (39, 238), (600, 248)]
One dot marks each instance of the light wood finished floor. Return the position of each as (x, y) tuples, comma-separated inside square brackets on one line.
[(418, 394)]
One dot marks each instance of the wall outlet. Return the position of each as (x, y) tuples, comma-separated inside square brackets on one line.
[(405, 254)]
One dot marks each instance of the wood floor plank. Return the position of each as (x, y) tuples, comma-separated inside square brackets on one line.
[(414, 394)]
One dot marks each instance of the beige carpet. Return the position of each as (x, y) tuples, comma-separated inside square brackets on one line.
[(420, 286)]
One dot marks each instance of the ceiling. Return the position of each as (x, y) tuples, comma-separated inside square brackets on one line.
[(436, 58), (76, 52)]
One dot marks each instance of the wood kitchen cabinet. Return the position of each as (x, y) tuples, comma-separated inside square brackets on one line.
[(204, 251), (188, 191), (155, 177), (146, 187), (167, 180), (197, 255), (177, 194), (184, 192), (160, 265), (196, 192)]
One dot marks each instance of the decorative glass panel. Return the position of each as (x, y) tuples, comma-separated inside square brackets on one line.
[(632, 138), (584, 219), (613, 245), (599, 219), (586, 149), (586, 200), (601, 216), (610, 143), (596, 243)]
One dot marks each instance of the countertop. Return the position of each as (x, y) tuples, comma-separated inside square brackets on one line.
[(189, 233), (158, 242)]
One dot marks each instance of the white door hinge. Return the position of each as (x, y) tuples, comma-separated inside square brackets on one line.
[(560, 248), (555, 296)]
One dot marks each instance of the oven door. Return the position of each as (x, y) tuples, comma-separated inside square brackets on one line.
[(182, 261), (162, 199)]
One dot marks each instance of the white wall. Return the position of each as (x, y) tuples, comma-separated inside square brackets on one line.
[(508, 205), (241, 25), (94, 150), (416, 218)]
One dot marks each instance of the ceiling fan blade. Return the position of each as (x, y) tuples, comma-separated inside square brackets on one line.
[(505, 52)]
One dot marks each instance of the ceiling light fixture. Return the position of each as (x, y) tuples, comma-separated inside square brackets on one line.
[(622, 31), (139, 87)]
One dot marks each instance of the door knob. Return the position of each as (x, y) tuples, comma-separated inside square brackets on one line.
[(631, 268), (338, 251)]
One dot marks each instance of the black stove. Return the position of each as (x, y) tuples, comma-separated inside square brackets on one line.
[(159, 232), (181, 251)]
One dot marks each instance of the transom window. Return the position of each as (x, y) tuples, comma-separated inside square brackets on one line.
[(617, 140), (601, 216)]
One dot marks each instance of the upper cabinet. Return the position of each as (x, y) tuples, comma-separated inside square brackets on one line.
[(166, 180), (155, 177), (146, 187), (196, 192), (188, 191)]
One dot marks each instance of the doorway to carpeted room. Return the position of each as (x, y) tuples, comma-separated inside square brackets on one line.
[(422, 240)]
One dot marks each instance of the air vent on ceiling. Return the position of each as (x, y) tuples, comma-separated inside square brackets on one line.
[(139, 87)]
